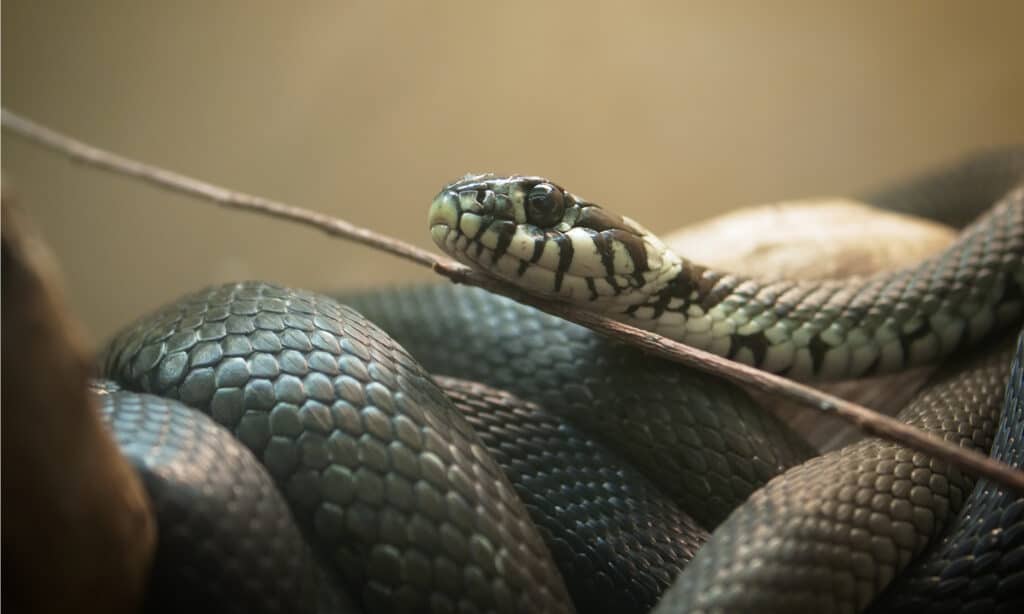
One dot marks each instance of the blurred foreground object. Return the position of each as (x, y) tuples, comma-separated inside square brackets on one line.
[(78, 533)]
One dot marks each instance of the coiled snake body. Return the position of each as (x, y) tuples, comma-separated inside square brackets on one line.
[(398, 495)]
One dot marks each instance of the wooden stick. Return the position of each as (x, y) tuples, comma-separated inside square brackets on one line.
[(874, 423)]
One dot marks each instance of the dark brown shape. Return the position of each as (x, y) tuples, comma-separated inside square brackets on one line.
[(78, 530)]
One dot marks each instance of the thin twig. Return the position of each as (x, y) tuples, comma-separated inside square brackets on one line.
[(175, 182), (869, 421)]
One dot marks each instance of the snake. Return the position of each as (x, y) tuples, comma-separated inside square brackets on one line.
[(532, 232), (570, 472)]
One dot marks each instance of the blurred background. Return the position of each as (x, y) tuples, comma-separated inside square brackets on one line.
[(667, 111)]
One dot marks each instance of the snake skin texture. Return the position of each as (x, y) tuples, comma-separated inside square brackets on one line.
[(377, 465), (389, 482), (549, 242), (618, 541), (979, 566), (829, 535), (704, 442), (946, 193), (227, 542)]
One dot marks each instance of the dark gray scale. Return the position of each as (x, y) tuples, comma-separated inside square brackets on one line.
[(979, 565), (226, 539), (618, 541), (391, 483), (830, 534), (702, 441)]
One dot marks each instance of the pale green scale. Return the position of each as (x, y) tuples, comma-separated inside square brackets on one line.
[(833, 335), (802, 361), (891, 356), (696, 339), (467, 201), (602, 287), (982, 321), (699, 324), (516, 197), (470, 224), (622, 263), (779, 355), (672, 321), (538, 277), (921, 349), (586, 257), (549, 257), (575, 287), (719, 344), (836, 360), (777, 333), (862, 357), (644, 313)]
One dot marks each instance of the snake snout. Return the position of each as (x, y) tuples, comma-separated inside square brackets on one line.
[(443, 216)]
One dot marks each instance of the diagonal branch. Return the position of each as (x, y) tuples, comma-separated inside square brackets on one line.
[(869, 421)]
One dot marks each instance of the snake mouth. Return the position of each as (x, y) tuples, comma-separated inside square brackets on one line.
[(530, 232)]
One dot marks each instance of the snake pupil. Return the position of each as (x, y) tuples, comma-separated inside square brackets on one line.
[(544, 205)]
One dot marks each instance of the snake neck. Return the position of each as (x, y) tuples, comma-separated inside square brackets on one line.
[(847, 328)]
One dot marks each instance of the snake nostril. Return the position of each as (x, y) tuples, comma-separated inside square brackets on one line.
[(486, 199)]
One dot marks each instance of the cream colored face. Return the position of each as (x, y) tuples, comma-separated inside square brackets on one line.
[(532, 232)]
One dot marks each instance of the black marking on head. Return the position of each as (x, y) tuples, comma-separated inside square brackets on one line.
[(485, 223), (596, 218), (506, 230), (635, 247), (481, 197), (604, 249), (565, 253), (757, 343), (538, 249)]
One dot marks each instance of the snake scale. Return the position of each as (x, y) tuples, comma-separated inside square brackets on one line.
[(415, 500)]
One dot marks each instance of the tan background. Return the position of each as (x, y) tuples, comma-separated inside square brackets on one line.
[(671, 111)]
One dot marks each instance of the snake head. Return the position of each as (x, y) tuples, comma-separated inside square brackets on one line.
[(532, 232)]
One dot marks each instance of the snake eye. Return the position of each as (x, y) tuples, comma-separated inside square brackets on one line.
[(544, 205)]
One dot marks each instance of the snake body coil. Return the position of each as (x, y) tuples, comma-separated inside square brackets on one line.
[(402, 501), (374, 459)]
